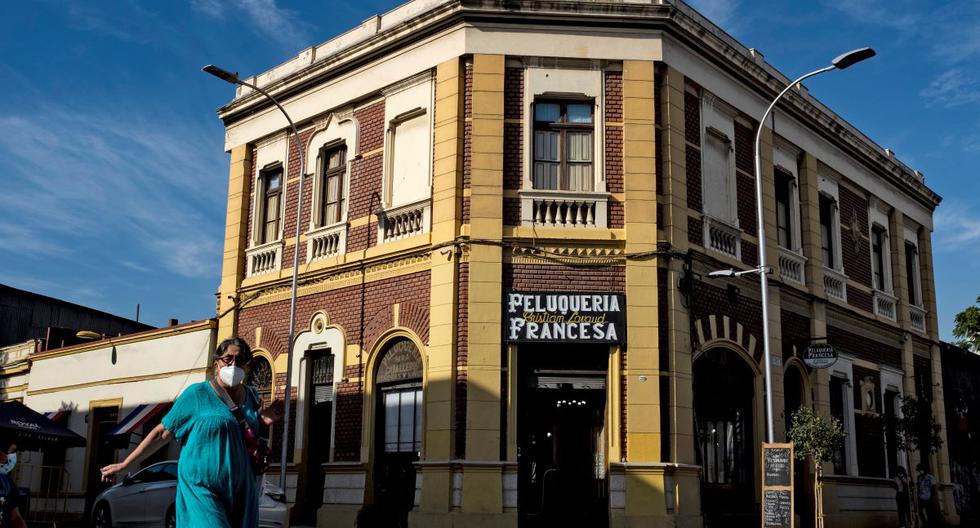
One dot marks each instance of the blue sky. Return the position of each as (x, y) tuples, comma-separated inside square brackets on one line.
[(115, 178)]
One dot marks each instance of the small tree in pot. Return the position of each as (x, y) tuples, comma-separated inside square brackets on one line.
[(815, 438)]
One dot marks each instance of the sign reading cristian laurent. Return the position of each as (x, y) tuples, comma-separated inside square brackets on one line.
[(564, 317)]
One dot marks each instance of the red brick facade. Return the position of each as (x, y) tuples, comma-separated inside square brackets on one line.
[(614, 144), (363, 313)]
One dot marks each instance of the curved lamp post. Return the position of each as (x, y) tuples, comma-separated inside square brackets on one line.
[(232, 78), (841, 62)]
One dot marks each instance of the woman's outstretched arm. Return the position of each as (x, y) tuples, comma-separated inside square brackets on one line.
[(156, 439)]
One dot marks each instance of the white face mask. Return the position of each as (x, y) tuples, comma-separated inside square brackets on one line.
[(9, 466), (231, 376)]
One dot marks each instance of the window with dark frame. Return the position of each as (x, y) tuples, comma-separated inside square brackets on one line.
[(911, 270), (563, 145), (271, 181), (403, 419), (784, 212), (878, 256), (827, 231), (333, 168)]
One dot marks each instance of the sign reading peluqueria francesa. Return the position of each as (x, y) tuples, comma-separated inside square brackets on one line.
[(564, 317)]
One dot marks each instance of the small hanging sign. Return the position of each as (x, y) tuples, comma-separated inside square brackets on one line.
[(820, 355)]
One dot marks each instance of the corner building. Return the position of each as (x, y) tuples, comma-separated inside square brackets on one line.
[(505, 316)]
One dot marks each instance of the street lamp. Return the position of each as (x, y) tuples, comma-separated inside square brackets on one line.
[(841, 62), (232, 78)]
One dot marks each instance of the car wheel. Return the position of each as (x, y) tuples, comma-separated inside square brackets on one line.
[(101, 518), (171, 520)]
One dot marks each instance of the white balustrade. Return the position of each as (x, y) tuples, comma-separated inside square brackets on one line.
[(835, 284), (791, 266), (917, 316), (884, 304), (723, 238), (263, 259), (404, 221), (564, 208), (324, 242)]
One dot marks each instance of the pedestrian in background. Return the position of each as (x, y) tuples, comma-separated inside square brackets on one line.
[(902, 497), (216, 423), (925, 485)]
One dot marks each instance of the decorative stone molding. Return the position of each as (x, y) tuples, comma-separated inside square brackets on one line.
[(325, 242), (792, 266), (835, 284), (263, 259)]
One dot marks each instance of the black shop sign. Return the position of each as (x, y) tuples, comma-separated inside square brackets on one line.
[(564, 317)]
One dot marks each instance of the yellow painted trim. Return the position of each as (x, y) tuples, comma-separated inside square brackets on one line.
[(195, 326), (10, 371), (375, 152), (360, 221), (15, 388), (559, 233), (116, 381), (92, 405), (513, 121)]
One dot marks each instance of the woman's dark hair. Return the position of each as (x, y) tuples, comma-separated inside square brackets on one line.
[(245, 351)]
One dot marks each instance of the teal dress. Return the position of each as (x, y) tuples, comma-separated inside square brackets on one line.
[(215, 486)]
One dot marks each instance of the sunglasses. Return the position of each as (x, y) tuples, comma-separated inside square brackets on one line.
[(238, 361)]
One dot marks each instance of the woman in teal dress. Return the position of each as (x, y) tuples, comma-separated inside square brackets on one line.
[(216, 486)]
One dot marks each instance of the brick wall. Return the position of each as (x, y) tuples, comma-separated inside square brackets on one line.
[(538, 277), (513, 141), (363, 314), (613, 111), (864, 348), (857, 260), (462, 351), (692, 132), (744, 178), (467, 135), (707, 299), (795, 332), (366, 176), (292, 191), (695, 231)]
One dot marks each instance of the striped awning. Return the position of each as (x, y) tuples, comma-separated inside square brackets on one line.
[(57, 417), (139, 416)]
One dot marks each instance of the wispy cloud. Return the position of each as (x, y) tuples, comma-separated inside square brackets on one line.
[(956, 227), (77, 177), (265, 17), (724, 13), (952, 88), (214, 8), (900, 15)]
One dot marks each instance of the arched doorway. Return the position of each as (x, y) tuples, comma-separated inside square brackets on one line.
[(794, 397), (398, 438), (724, 395)]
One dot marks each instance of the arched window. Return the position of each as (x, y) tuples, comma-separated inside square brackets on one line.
[(260, 378)]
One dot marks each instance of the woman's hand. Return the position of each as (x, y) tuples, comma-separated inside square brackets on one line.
[(110, 471), (273, 413)]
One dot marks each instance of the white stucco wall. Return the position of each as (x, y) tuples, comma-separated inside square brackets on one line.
[(149, 368)]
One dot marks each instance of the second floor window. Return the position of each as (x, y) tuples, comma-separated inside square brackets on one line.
[(784, 213), (563, 145), (827, 211), (912, 273), (270, 208), (333, 163), (878, 256)]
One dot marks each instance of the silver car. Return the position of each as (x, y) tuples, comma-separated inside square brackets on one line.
[(147, 499)]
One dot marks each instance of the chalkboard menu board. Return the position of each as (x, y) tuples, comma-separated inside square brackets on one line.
[(777, 486), (777, 509), (779, 466)]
